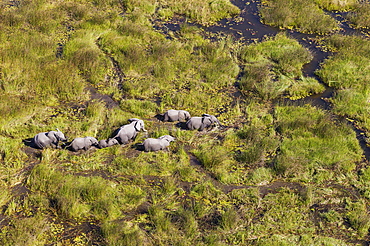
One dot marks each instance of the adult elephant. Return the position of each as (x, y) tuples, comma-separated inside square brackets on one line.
[(155, 144), (49, 139), (83, 143), (107, 143), (201, 123), (129, 132), (176, 115)]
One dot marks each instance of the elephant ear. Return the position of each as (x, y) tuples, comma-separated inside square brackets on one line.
[(207, 121), (187, 115), (138, 125), (182, 115)]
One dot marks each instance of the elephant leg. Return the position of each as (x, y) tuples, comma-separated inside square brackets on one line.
[(124, 141)]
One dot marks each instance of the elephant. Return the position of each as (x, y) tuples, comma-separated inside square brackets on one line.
[(83, 143), (107, 143), (127, 132), (155, 144), (176, 115), (201, 123), (49, 139)]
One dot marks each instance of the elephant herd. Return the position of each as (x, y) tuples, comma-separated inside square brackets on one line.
[(128, 132)]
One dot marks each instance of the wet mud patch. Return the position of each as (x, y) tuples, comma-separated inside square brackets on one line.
[(95, 95), (278, 185), (346, 191), (21, 191), (31, 152), (75, 234)]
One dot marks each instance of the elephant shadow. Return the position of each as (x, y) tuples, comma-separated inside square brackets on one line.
[(139, 147), (159, 117), (30, 143), (67, 146), (181, 125)]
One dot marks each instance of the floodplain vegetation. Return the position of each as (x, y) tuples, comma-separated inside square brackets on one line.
[(274, 174), (314, 16)]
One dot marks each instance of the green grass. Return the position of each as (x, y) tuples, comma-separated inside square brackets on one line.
[(359, 16), (333, 5), (273, 68), (311, 141), (347, 72), (204, 13), (272, 173), (78, 197), (304, 16)]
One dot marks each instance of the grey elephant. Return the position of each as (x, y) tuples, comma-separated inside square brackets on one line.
[(49, 139), (128, 132), (83, 143), (155, 144), (176, 115), (107, 143), (201, 123)]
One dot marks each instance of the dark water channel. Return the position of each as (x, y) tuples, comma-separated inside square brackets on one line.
[(247, 28)]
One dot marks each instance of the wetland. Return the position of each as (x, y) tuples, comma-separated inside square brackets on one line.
[(286, 79)]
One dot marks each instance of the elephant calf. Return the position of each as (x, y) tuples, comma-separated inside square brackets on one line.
[(49, 139), (107, 143), (176, 115), (155, 144), (83, 143), (127, 132), (201, 123)]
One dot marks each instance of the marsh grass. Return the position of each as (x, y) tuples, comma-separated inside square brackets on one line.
[(303, 87), (237, 155), (353, 104), (26, 231), (347, 72), (11, 153), (345, 69), (128, 234), (52, 50), (358, 217), (172, 70), (311, 129), (207, 202), (273, 68), (289, 211), (258, 142), (333, 5), (141, 108), (359, 15), (229, 219), (82, 51), (81, 197), (159, 163), (204, 13), (305, 239), (305, 16)]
